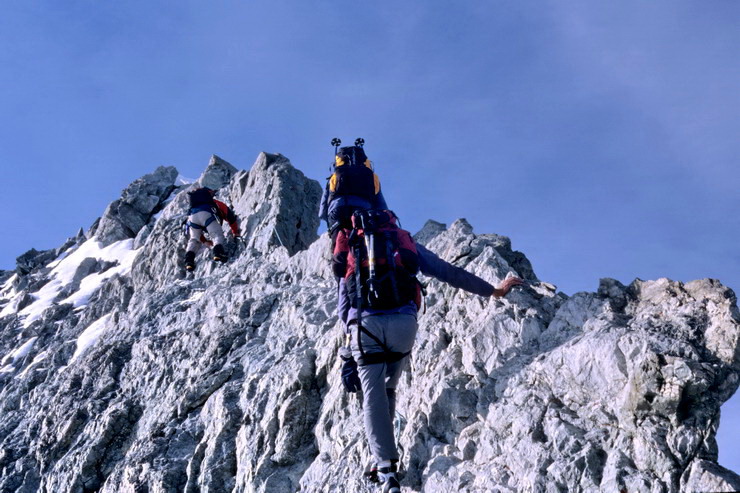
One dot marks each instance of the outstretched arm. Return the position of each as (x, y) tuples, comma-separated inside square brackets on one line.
[(432, 265)]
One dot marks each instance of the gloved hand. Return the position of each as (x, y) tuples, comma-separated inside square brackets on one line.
[(350, 376)]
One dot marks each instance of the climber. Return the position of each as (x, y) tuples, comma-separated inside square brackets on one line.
[(353, 185), (378, 305), (206, 215)]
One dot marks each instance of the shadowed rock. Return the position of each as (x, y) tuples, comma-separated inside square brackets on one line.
[(126, 216), (32, 260)]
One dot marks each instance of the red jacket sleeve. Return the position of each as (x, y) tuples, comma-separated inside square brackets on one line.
[(226, 213)]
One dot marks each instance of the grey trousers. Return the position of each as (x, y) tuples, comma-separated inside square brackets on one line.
[(214, 230), (379, 381)]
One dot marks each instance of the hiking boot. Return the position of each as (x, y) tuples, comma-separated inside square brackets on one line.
[(388, 478), (219, 254), (190, 261)]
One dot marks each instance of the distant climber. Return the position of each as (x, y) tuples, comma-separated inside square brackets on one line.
[(378, 302), (353, 185), (206, 215)]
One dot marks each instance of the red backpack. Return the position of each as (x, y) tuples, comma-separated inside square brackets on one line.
[(388, 261)]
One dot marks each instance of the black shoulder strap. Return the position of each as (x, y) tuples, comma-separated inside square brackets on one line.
[(391, 265)]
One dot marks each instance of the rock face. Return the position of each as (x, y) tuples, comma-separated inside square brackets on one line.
[(217, 174), (279, 204), (125, 217), (229, 381)]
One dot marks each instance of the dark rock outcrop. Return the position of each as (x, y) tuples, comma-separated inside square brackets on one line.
[(33, 260)]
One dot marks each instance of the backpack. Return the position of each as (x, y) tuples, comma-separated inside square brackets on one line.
[(353, 175), (379, 262), (200, 198), (353, 180)]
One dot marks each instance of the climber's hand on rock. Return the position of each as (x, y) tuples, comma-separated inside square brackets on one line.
[(506, 286)]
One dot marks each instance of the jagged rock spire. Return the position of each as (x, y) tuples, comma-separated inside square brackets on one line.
[(126, 216), (277, 203), (217, 174)]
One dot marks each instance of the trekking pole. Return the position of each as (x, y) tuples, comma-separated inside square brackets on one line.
[(369, 230), (358, 300), (360, 142), (370, 245), (336, 142)]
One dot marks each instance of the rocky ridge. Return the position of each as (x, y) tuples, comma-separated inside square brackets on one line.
[(119, 375)]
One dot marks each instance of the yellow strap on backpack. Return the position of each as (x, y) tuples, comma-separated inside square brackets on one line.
[(333, 183)]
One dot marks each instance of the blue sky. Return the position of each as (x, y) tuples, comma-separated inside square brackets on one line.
[(602, 138)]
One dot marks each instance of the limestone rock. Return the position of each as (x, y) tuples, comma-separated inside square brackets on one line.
[(217, 174), (229, 380), (707, 476), (429, 231), (277, 204), (126, 216)]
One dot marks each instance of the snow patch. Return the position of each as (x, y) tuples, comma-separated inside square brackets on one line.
[(63, 274), (9, 361), (61, 257), (7, 290), (38, 359), (12, 306), (91, 335), (92, 283), (169, 199), (181, 180)]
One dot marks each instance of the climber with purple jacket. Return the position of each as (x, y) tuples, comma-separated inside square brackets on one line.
[(379, 297)]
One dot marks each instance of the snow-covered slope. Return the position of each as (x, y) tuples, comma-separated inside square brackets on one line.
[(117, 374)]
